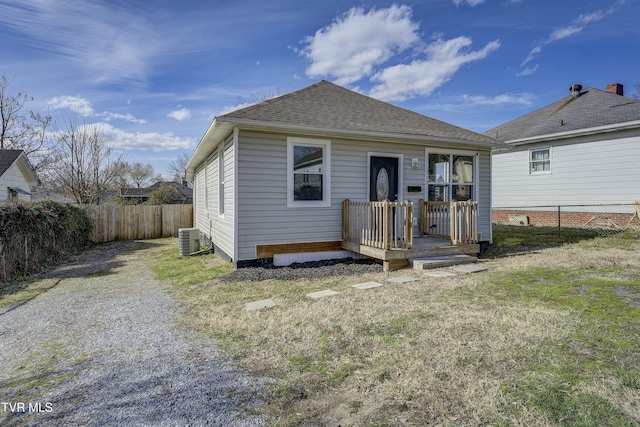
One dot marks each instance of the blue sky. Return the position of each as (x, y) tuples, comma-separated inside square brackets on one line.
[(156, 72)]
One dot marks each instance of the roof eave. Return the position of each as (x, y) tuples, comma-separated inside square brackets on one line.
[(217, 131), (616, 127), (27, 169)]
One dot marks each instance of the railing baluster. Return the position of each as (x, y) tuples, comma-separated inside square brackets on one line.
[(385, 225)]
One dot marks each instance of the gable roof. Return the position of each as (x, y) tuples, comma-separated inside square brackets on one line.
[(10, 157), (590, 109), (325, 108)]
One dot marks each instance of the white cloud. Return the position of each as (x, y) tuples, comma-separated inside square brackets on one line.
[(180, 115), (359, 45), (470, 102), (525, 99), (528, 71), (534, 52), (356, 42), (112, 44), (126, 117), (576, 26), (74, 103), (471, 3), (153, 141), (421, 77)]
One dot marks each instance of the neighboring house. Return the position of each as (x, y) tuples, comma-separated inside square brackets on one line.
[(271, 178), (583, 149), (16, 176), (141, 195)]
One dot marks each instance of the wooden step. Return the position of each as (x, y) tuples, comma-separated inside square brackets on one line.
[(440, 261)]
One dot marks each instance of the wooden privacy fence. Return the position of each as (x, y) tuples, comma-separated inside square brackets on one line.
[(114, 222), (457, 221), (384, 225)]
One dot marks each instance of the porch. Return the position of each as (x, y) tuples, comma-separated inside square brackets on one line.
[(385, 230)]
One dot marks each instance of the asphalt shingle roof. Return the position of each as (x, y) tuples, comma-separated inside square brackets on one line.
[(591, 108), (7, 158), (326, 106)]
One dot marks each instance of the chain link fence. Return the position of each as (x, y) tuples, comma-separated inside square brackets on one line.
[(604, 219)]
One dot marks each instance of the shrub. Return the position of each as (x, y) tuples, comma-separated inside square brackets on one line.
[(35, 235)]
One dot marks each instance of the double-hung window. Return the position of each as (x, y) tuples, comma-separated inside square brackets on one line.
[(308, 172), (451, 176), (540, 161)]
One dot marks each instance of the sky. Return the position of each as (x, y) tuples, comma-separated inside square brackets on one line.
[(154, 73)]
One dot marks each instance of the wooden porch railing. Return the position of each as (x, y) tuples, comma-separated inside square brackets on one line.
[(384, 225), (456, 221)]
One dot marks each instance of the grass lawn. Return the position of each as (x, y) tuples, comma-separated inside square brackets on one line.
[(549, 337)]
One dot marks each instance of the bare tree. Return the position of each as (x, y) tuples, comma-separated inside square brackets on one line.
[(268, 93), (141, 174), (165, 195), (23, 129), (178, 167), (87, 163)]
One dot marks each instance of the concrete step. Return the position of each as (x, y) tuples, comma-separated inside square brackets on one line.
[(440, 261)]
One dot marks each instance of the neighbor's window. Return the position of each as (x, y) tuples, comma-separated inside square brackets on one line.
[(540, 161), (308, 181)]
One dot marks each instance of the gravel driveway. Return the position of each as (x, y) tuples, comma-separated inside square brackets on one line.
[(103, 347)]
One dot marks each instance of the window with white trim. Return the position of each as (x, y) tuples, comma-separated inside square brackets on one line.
[(308, 172), (540, 161), (451, 176)]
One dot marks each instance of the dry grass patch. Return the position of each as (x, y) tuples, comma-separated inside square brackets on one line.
[(528, 343)]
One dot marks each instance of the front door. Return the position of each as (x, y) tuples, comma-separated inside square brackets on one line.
[(383, 181)]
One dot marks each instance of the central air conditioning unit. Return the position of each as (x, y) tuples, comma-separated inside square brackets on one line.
[(188, 241)]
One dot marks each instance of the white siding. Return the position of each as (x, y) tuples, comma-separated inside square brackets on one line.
[(583, 171), (208, 218), (263, 216), (14, 177), (199, 213)]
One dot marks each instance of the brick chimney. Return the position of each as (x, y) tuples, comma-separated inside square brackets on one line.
[(616, 88)]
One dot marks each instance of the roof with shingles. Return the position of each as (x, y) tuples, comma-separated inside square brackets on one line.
[(327, 106), (590, 109), (7, 158)]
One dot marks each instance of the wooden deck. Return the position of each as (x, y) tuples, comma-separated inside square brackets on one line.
[(384, 230), (394, 259)]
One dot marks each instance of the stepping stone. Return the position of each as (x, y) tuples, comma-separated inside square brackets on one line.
[(402, 279), (440, 274), (321, 294), (470, 269), (259, 305), (367, 285), (440, 261)]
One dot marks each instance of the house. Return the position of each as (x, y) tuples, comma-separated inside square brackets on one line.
[(142, 194), (328, 172), (16, 175), (583, 149)]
